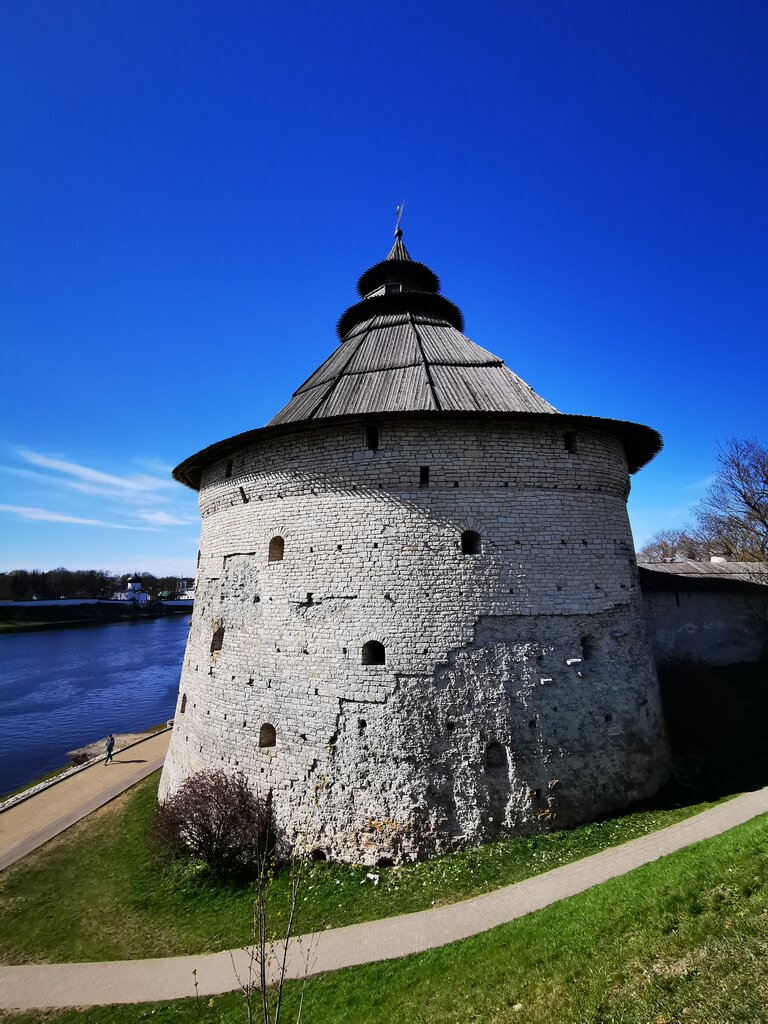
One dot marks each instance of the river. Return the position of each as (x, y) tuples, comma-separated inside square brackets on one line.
[(63, 688)]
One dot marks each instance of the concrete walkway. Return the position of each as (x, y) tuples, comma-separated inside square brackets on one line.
[(28, 825), (132, 981)]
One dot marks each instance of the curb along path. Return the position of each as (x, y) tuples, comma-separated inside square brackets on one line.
[(33, 821), (130, 981)]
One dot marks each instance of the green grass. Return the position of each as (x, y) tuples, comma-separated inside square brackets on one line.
[(679, 941), (97, 894)]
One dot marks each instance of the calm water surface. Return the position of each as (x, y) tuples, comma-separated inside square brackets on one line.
[(63, 688)]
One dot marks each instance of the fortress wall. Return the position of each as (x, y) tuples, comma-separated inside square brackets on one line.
[(718, 627), (518, 691)]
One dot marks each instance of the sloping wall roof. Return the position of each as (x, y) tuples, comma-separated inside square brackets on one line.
[(697, 576)]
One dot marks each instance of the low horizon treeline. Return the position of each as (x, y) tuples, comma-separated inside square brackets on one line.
[(53, 584)]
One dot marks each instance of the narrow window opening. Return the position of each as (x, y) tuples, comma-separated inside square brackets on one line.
[(228, 469), (217, 641), (471, 543), (587, 648), (495, 757), (244, 496), (276, 549), (183, 707), (570, 441), (198, 559), (423, 476), (372, 438), (267, 735), (373, 653)]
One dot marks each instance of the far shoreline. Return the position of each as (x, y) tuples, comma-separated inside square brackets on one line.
[(36, 627)]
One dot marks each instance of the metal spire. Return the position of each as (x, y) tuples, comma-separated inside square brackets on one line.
[(399, 215), (398, 250)]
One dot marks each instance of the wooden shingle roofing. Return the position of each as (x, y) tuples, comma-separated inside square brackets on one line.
[(405, 362), (402, 351)]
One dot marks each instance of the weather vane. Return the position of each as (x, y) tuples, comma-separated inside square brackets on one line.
[(399, 214)]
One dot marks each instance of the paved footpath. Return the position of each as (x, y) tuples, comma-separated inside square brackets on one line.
[(131, 981), (33, 822)]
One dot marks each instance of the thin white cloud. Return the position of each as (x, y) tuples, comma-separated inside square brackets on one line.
[(48, 516), (700, 485), (141, 482), (153, 465), (81, 487), (25, 474), (165, 519)]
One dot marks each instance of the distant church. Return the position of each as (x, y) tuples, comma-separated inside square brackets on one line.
[(134, 592), (417, 621)]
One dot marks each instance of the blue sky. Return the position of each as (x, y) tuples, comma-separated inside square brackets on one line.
[(188, 192)]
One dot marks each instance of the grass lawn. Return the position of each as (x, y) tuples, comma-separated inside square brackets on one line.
[(96, 894), (680, 941)]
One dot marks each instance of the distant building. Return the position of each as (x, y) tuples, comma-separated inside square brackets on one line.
[(134, 592)]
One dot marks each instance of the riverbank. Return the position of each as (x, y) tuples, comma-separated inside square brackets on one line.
[(62, 689), (81, 756), (29, 616)]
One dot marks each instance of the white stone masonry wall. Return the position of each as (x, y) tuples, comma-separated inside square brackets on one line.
[(518, 691)]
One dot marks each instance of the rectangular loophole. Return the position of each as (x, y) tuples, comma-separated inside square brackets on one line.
[(244, 496), (372, 438), (570, 441), (423, 476), (228, 469)]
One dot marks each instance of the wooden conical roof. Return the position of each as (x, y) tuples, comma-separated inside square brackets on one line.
[(403, 349)]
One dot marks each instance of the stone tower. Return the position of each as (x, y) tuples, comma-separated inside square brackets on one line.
[(417, 619)]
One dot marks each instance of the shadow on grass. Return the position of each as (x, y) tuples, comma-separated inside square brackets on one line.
[(717, 716)]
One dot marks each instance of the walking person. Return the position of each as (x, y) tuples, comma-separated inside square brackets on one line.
[(110, 746)]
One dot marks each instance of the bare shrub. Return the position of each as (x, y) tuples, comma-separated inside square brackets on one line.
[(216, 818)]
